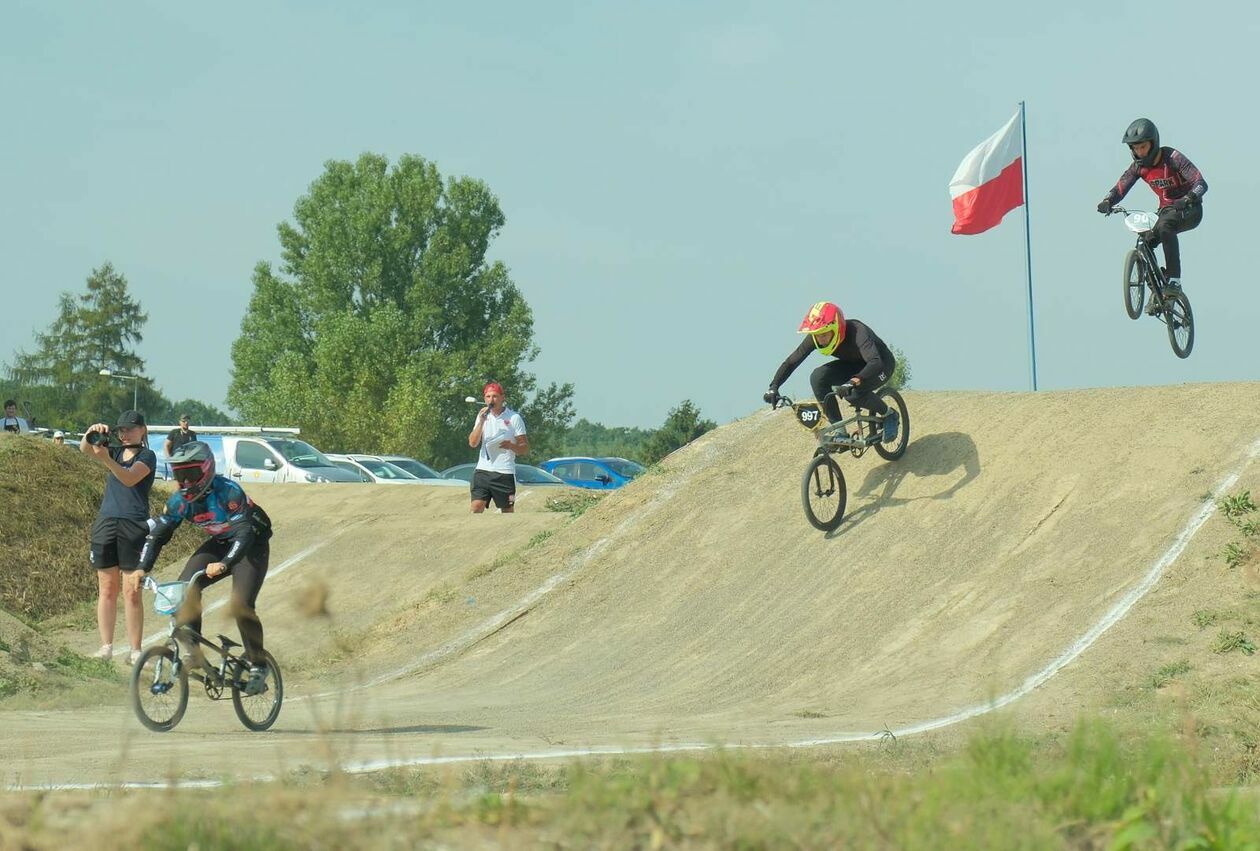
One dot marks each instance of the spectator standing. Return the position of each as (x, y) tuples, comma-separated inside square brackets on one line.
[(179, 436), (121, 526), (12, 422), (500, 432)]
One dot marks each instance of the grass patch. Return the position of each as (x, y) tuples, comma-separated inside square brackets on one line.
[(574, 503), (1234, 554), (51, 496), (1236, 505), (81, 667), (1167, 673), (1203, 618), (1227, 642), (1092, 788)]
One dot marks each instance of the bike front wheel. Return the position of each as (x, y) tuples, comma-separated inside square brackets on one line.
[(259, 711), (824, 493), (894, 449), (1134, 283), (159, 693), (1180, 321)]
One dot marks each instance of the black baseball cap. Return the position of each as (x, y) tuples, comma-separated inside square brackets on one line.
[(130, 418)]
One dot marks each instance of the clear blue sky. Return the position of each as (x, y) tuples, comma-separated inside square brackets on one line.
[(681, 181)]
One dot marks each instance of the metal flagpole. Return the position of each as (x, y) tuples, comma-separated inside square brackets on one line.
[(1032, 330)]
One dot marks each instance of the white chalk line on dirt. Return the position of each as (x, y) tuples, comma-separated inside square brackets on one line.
[(1113, 616), (496, 622), (274, 571)]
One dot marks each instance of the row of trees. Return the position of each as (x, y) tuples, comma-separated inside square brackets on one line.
[(382, 315), (60, 381)]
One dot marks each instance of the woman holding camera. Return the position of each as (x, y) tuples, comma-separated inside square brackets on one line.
[(121, 525)]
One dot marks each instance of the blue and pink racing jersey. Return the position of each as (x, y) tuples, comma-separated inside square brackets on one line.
[(1175, 177), (223, 512)]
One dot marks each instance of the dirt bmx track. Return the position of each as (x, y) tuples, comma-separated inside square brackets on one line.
[(697, 606)]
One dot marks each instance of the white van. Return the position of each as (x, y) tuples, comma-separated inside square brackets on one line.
[(278, 459)]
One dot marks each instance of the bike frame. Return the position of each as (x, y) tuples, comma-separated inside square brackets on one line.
[(226, 657), (1154, 275), (837, 436)]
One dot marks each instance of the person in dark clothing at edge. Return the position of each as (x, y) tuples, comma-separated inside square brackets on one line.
[(239, 531), (862, 362), (1177, 184)]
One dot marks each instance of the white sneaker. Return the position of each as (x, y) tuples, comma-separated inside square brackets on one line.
[(133, 657), (106, 652)]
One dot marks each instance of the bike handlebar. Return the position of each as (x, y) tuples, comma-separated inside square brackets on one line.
[(151, 584)]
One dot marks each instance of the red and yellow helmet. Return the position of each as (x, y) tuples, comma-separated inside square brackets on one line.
[(823, 317)]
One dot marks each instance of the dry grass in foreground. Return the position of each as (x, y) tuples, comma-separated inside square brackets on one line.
[(1094, 789)]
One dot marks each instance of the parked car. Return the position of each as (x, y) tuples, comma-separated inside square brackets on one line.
[(526, 474), (419, 469), (376, 469), (276, 459), (594, 473)]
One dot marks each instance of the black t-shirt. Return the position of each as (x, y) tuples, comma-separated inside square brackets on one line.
[(178, 437), (131, 503)]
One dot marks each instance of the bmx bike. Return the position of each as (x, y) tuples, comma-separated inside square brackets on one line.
[(159, 679), (823, 490), (1142, 272)]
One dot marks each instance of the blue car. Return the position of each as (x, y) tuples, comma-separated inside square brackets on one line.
[(594, 473)]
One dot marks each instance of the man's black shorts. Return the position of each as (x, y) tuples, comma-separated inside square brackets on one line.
[(501, 487), (116, 542)]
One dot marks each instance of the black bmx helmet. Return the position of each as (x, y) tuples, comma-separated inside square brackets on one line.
[(1143, 130), (192, 465)]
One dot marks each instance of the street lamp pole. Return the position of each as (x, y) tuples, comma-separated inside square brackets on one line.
[(135, 385)]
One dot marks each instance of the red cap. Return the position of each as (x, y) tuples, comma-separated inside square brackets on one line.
[(492, 385)]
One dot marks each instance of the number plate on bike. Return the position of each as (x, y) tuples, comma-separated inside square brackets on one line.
[(809, 415)]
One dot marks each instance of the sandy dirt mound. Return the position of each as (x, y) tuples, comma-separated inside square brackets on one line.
[(698, 605)]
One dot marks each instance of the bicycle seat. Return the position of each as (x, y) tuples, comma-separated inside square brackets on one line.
[(227, 642)]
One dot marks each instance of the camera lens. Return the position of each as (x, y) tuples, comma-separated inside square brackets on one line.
[(97, 438)]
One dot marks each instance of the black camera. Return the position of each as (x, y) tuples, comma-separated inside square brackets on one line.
[(98, 438)]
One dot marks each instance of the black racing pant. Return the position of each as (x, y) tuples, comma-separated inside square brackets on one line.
[(1172, 222), (837, 372), (247, 579)]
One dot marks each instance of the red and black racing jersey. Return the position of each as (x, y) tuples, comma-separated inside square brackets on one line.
[(1175, 177)]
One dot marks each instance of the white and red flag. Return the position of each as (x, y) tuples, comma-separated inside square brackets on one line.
[(989, 182)]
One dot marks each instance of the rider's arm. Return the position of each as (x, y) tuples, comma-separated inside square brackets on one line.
[(865, 340), (793, 361), (242, 533), (1191, 175), (160, 531), (1116, 193)]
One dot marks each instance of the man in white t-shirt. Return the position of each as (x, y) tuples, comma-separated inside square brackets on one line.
[(500, 433), (12, 422)]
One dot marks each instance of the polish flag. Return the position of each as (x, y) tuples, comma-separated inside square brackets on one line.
[(989, 182)]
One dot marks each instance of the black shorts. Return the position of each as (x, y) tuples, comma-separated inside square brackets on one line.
[(501, 487), (116, 542)]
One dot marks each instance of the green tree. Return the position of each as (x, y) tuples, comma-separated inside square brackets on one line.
[(385, 313), (595, 439), (95, 330), (682, 425), (901, 375)]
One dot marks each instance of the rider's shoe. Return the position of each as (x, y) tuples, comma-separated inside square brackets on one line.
[(257, 680), (892, 421), (106, 652), (1173, 286)]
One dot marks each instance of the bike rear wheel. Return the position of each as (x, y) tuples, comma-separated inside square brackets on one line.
[(1134, 283), (824, 493), (891, 451), (259, 711), (159, 694), (1180, 321)]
